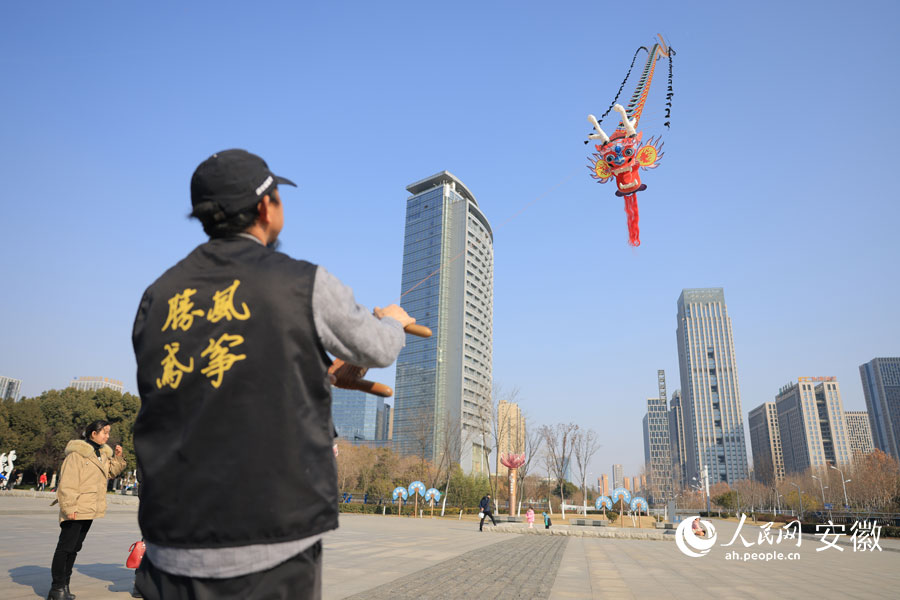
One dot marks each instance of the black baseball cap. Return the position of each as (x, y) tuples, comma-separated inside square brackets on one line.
[(233, 179)]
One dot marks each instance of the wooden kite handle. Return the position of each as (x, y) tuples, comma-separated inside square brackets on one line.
[(419, 330)]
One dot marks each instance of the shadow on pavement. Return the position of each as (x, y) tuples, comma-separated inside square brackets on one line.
[(120, 578), (32, 575)]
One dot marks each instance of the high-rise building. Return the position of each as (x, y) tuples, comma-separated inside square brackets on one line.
[(765, 443), (627, 482), (510, 432), (9, 388), (713, 419), (96, 383), (603, 485), (860, 432), (443, 383), (657, 454), (358, 416), (881, 386), (811, 424), (618, 475), (676, 441)]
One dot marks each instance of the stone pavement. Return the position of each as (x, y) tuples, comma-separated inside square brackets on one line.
[(504, 570), (371, 556)]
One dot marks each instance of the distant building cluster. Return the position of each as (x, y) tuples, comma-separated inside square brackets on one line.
[(91, 384), (699, 438), (11, 389)]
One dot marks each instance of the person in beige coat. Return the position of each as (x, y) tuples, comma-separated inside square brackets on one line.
[(88, 466)]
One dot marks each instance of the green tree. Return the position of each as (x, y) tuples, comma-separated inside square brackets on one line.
[(39, 428)]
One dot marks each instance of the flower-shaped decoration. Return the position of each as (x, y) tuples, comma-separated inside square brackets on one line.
[(639, 504), (603, 502), (432, 494), (400, 492), (417, 487), (621, 493), (512, 461)]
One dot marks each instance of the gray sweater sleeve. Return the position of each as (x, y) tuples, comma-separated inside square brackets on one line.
[(348, 330)]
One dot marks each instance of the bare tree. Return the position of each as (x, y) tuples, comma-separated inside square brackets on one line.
[(452, 443), (585, 443), (501, 426), (559, 441), (532, 448)]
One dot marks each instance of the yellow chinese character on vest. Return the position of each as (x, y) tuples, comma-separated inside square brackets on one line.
[(224, 305), (173, 370), (220, 357), (181, 313)]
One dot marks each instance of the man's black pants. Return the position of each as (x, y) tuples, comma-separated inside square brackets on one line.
[(486, 515), (71, 537), (299, 577)]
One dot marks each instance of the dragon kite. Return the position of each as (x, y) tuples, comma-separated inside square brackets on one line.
[(622, 155)]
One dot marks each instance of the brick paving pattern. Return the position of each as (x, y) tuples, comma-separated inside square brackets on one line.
[(524, 567)]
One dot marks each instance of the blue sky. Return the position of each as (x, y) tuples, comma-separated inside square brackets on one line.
[(776, 184)]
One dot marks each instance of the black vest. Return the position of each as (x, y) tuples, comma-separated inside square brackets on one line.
[(234, 436)]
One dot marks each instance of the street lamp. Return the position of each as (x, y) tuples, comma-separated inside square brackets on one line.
[(844, 482), (823, 490), (800, 496)]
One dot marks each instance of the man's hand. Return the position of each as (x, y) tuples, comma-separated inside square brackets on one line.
[(395, 312), (72, 516), (118, 450)]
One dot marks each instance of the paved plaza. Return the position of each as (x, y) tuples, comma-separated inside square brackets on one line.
[(399, 557)]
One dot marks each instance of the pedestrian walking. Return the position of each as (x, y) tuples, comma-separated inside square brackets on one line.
[(42, 481), (85, 473), (232, 351), (547, 521), (486, 511), (529, 516)]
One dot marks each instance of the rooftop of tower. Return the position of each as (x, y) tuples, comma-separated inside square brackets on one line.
[(423, 185)]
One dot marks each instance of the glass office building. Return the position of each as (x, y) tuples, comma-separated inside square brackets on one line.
[(881, 386), (358, 416), (443, 383), (713, 420)]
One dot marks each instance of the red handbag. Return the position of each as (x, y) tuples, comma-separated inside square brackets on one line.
[(135, 554)]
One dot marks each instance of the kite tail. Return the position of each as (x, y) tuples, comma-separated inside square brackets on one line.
[(631, 209)]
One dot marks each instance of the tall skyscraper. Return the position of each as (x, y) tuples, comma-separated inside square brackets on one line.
[(358, 416), (657, 454), (881, 386), (443, 384), (713, 419), (96, 383), (386, 422), (511, 432), (618, 474), (676, 441), (860, 433), (9, 388), (811, 424), (765, 442)]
